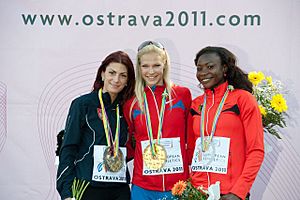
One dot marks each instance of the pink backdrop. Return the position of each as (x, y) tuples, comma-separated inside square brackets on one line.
[(50, 52)]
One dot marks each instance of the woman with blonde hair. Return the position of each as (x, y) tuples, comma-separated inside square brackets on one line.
[(156, 118)]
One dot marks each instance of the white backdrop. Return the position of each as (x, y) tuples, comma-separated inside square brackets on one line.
[(46, 62)]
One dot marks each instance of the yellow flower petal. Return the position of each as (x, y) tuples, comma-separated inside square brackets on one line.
[(269, 80), (256, 77), (262, 110), (279, 103)]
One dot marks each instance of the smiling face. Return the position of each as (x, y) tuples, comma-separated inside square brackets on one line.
[(152, 68), (115, 79), (210, 71)]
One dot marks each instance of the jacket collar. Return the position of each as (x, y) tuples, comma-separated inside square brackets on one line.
[(217, 91), (107, 99), (155, 88)]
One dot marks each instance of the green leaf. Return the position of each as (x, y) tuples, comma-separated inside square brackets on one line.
[(78, 188), (273, 132)]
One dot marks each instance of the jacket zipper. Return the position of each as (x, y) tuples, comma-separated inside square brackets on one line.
[(207, 120)]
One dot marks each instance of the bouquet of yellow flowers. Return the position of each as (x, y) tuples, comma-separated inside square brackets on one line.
[(272, 104), (184, 190)]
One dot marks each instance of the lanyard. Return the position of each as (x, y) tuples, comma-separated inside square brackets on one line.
[(160, 119), (108, 133), (205, 144)]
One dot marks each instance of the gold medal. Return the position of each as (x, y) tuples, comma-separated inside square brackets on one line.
[(111, 162), (156, 161)]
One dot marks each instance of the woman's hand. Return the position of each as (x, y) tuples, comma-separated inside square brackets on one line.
[(230, 196)]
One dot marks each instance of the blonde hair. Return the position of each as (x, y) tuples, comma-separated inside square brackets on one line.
[(140, 82)]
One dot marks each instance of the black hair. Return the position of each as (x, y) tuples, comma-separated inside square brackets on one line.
[(234, 75), (59, 140)]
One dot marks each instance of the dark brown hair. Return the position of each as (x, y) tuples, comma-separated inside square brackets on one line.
[(123, 58)]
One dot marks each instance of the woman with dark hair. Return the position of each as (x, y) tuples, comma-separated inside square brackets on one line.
[(225, 140), (93, 147)]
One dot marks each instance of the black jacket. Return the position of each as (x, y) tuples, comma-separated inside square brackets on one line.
[(83, 130)]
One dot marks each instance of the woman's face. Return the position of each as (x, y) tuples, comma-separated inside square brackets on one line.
[(152, 68), (210, 72), (115, 78)]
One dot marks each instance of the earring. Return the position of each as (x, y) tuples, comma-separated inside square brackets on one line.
[(102, 78)]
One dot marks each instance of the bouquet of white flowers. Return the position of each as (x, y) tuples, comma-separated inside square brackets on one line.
[(272, 104)]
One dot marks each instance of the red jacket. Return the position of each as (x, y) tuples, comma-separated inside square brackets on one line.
[(240, 120), (174, 125)]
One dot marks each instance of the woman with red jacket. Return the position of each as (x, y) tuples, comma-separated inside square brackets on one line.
[(226, 141), (156, 118)]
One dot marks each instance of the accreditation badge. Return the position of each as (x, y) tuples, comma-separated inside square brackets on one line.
[(106, 167), (215, 159), (172, 164)]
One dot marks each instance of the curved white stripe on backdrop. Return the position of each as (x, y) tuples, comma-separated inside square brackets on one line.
[(53, 108)]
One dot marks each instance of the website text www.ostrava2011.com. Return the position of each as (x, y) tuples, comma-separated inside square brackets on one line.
[(168, 19)]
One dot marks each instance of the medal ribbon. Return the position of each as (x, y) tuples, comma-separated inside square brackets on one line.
[(160, 119), (214, 125), (108, 133)]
